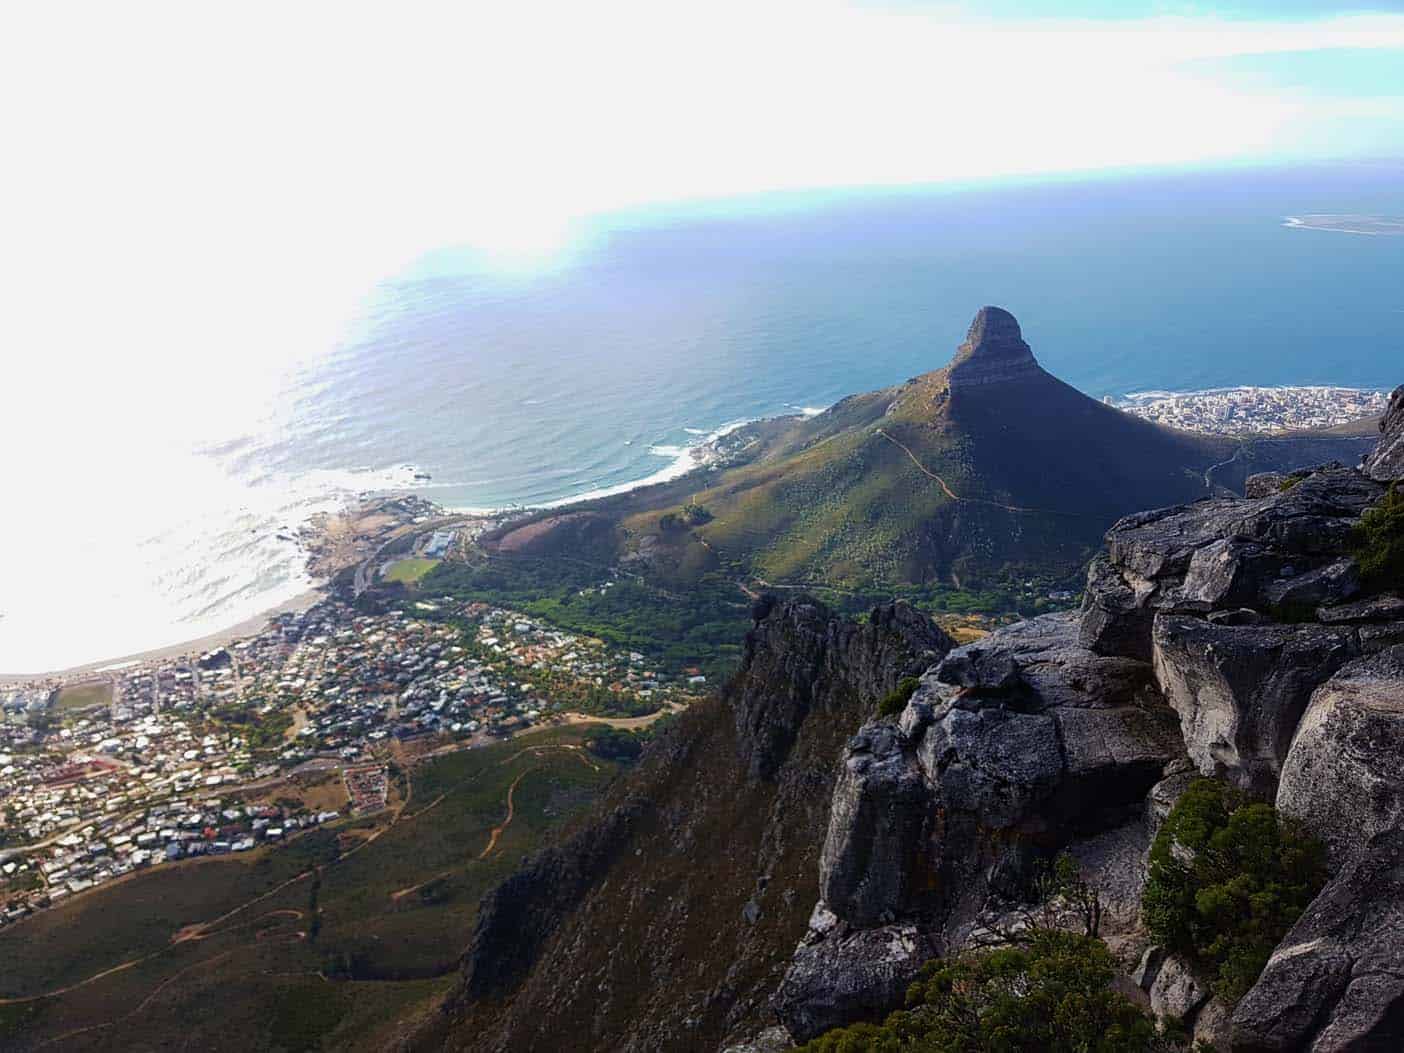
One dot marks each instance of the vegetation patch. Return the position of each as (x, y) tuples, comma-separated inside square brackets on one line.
[(896, 700), (1228, 877), (409, 571), (15, 1017), (81, 696), (1051, 993), (614, 744), (300, 1015), (1378, 545), (701, 626)]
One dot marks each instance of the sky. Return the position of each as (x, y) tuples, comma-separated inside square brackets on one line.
[(214, 187)]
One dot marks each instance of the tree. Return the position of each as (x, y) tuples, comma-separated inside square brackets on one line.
[(896, 700), (1052, 993), (1228, 877), (1037, 986), (1378, 544)]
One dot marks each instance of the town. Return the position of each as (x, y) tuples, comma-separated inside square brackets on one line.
[(1243, 410), (303, 725)]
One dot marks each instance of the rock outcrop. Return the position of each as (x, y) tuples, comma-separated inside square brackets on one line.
[(1011, 748), (994, 352), (1280, 551), (793, 663), (668, 921), (1336, 983), (1241, 689), (1344, 775), (1385, 463), (841, 973)]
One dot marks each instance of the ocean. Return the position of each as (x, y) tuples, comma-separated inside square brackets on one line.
[(598, 367)]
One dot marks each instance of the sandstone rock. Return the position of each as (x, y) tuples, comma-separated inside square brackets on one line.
[(1040, 663), (1376, 638), (994, 352), (1277, 550), (1037, 743), (1344, 774), (1386, 462), (1213, 1024), (1263, 484), (1152, 958), (1114, 863), (1240, 690), (1176, 991), (1007, 751), (1164, 794), (840, 975), (1335, 583), (771, 1040), (798, 652), (1238, 616), (881, 809), (1385, 608), (1336, 983)]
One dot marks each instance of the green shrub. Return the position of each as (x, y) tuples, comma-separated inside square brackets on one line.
[(696, 514), (1228, 877), (614, 744), (1379, 543), (896, 700), (1052, 993)]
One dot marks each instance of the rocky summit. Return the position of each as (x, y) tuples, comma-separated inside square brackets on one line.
[(994, 352)]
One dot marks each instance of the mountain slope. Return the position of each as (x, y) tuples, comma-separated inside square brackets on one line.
[(987, 465), (679, 907)]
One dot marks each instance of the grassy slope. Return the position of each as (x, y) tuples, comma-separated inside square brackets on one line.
[(409, 571), (81, 696), (386, 954), (837, 499)]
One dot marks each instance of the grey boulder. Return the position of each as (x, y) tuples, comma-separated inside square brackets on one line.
[(1240, 690), (1344, 774), (839, 974)]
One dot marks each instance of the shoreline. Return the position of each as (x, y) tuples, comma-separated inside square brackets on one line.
[(250, 626), (706, 453)]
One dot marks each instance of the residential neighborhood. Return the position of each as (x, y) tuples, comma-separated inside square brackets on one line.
[(1243, 410), (153, 763)]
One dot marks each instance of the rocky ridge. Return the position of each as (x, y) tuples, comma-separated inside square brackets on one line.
[(1229, 637), (666, 921)]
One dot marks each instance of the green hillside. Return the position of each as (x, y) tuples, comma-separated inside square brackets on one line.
[(985, 467), (327, 942)]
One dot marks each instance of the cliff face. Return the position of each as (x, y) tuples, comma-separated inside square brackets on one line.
[(1386, 462), (667, 922)]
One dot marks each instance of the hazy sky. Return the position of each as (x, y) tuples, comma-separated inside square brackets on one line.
[(226, 178)]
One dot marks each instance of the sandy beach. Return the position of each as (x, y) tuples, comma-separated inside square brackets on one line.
[(246, 628)]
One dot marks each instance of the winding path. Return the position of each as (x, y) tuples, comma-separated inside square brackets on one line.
[(952, 495)]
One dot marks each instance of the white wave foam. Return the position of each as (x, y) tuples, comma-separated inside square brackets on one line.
[(685, 459)]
